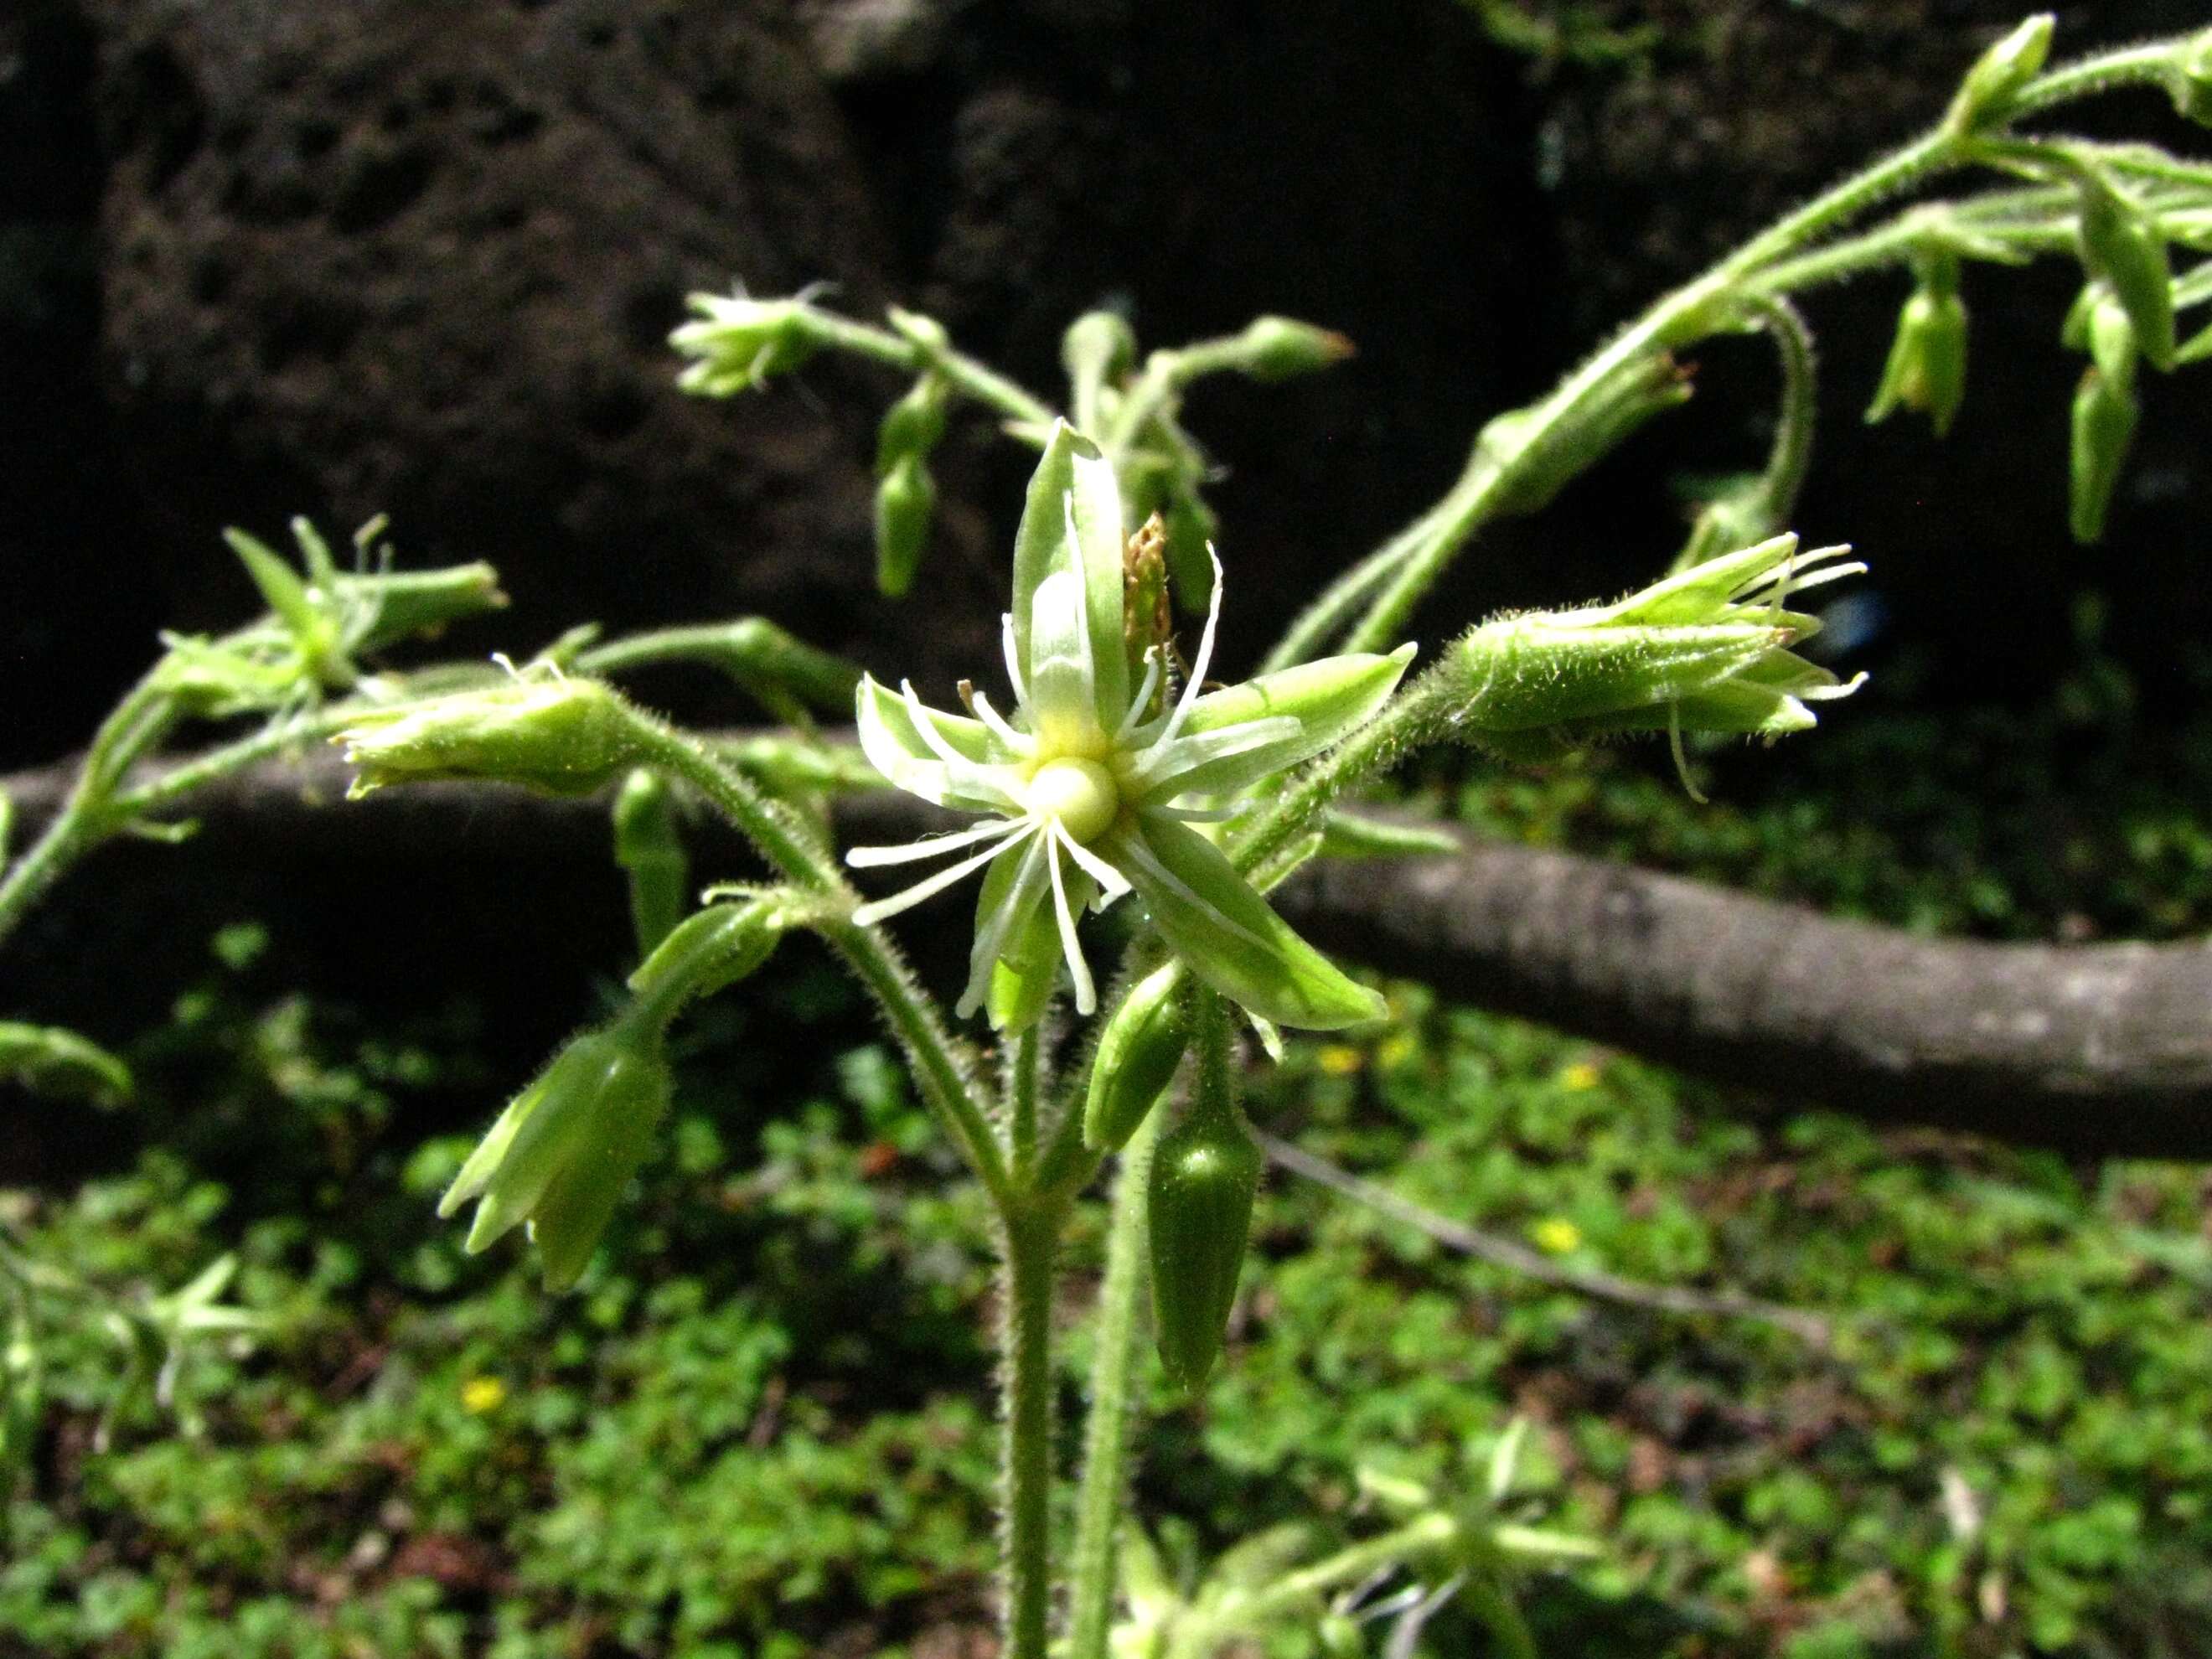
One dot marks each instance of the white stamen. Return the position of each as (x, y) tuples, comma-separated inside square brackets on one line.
[(1201, 663), (929, 847), (1013, 659), (1167, 760), (1020, 743), (1111, 883), (868, 915), (991, 938), (926, 723), (1143, 700), (1086, 993)]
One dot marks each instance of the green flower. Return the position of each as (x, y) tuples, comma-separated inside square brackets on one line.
[(1086, 793)]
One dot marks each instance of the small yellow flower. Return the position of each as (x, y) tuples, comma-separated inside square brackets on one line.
[(480, 1395), (1556, 1235), (1579, 1078), (1340, 1059)]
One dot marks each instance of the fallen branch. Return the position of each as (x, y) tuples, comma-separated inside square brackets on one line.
[(2102, 1049), (1534, 1264)]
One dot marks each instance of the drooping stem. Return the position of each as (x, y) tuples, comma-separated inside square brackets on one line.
[(1031, 1243), (1106, 1429), (946, 1083), (986, 385)]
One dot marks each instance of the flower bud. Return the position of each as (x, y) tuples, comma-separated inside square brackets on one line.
[(738, 343), (912, 426), (1984, 97), (1099, 349), (1203, 1180), (1705, 650), (561, 1154), (1927, 368), (649, 847), (906, 505), (709, 951), (2104, 427), (559, 736), (1141, 1048), (405, 605), (2121, 244), (1281, 348)]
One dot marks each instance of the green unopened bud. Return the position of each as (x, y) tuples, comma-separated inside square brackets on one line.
[(1138, 1051), (2113, 341), (558, 736), (1098, 349), (920, 328), (2104, 427), (561, 1154), (650, 849), (709, 951), (738, 342), (1204, 1178), (1705, 650), (2191, 81), (1985, 97), (906, 505), (2122, 245), (912, 426), (406, 604), (1281, 348), (1927, 368)]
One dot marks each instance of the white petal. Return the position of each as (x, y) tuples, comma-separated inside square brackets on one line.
[(1203, 661), (868, 915), (1086, 993), (1111, 883), (929, 847)]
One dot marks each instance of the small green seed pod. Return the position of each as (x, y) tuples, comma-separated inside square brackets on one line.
[(2104, 427), (1280, 347), (2121, 244), (912, 426), (1927, 367), (1142, 1044), (906, 504), (1204, 1176)]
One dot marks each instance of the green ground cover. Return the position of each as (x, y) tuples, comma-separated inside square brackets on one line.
[(760, 1425)]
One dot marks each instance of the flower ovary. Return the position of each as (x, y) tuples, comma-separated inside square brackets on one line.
[(1080, 794)]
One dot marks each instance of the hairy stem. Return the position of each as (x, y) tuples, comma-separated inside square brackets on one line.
[(946, 1081), (1106, 1432), (1031, 1239)]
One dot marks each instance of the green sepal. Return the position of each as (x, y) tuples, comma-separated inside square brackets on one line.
[(895, 748), (2121, 243), (1927, 368), (710, 950), (2104, 426), (561, 1152), (1227, 935), (1330, 699), (556, 735), (1204, 1178), (1073, 484), (1138, 1051), (1525, 674), (314, 632), (54, 1061)]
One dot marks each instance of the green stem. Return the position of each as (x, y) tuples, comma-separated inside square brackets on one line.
[(1025, 1064), (1792, 453), (2148, 64), (1026, 1295), (986, 385), (946, 1081), (1098, 1502)]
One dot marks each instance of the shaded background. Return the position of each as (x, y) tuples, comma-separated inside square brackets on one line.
[(260, 259)]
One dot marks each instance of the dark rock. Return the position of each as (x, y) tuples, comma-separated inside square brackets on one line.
[(424, 260)]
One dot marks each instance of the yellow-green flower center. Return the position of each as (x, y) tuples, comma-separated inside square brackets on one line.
[(1080, 794)]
